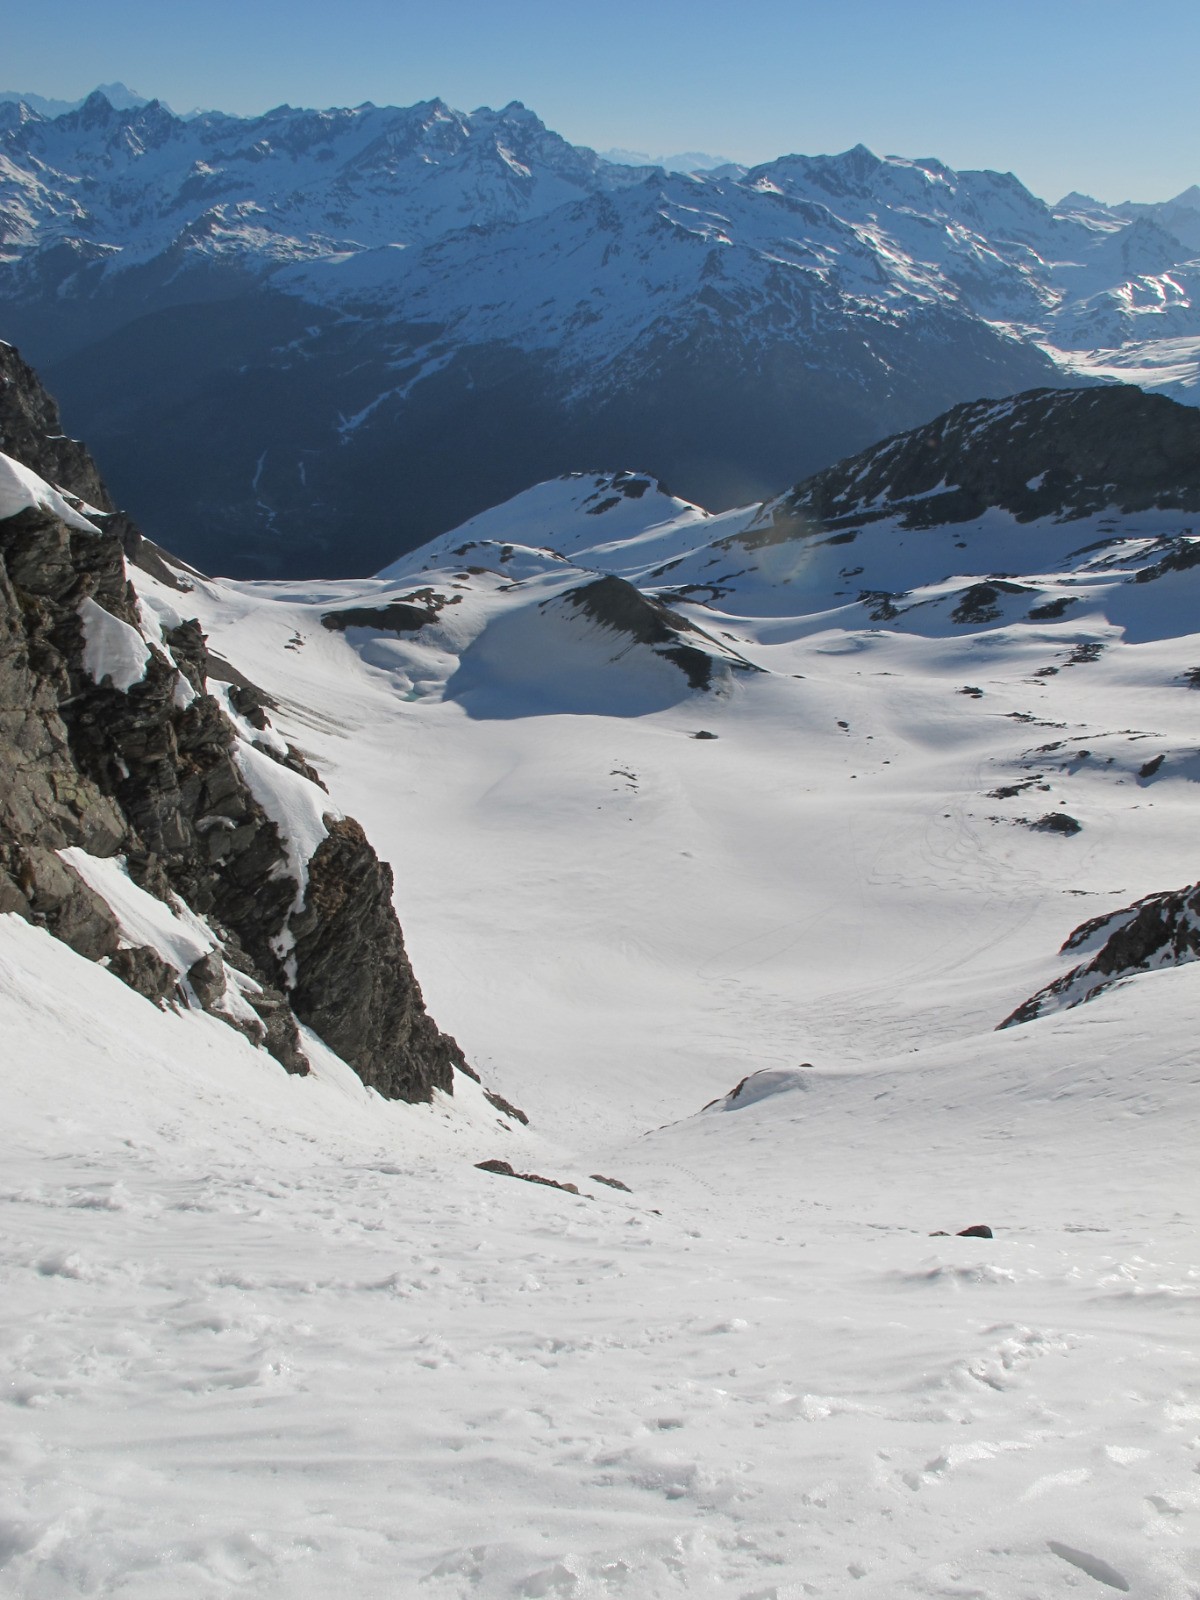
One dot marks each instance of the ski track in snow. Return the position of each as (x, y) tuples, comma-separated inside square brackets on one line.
[(272, 1336)]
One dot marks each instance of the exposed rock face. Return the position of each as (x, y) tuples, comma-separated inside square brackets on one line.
[(1047, 453), (1057, 822), (147, 769), (355, 985), (408, 614), (1161, 930), (31, 432), (618, 605), (396, 617), (505, 1169)]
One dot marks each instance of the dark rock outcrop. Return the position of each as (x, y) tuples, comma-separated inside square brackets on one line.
[(611, 1183), (981, 602), (616, 604), (395, 617), (505, 1107), (354, 984), (505, 1169), (408, 613), (149, 771), (1045, 453), (1181, 555), (1057, 822), (1161, 930)]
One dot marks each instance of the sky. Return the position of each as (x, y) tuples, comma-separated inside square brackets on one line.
[(1068, 94)]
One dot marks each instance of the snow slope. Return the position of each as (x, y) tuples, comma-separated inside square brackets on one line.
[(268, 1335), (270, 1341)]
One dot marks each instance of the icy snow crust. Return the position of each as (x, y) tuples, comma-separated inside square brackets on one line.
[(274, 1335)]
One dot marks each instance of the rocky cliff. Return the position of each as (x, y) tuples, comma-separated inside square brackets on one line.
[(150, 817)]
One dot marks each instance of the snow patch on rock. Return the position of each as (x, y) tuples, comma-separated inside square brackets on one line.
[(22, 490), (112, 648), (299, 810)]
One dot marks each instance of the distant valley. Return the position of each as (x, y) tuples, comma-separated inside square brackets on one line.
[(305, 342)]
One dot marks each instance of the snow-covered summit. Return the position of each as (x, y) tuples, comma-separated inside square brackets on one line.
[(360, 176), (582, 511)]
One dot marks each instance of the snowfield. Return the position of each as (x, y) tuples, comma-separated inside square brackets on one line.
[(275, 1336)]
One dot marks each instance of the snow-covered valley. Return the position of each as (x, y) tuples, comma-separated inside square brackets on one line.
[(274, 1335)]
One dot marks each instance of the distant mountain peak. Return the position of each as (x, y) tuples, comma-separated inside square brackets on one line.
[(1075, 201), (735, 329), (684, 161), (120, 96), (1190, 198), (116, 95)]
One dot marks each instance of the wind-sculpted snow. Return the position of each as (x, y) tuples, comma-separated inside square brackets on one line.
[(619, 507), (286, 1337)]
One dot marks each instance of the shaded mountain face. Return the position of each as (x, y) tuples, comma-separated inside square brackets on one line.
[(308, 341), (150, 816), (1045, 454), (603, 594)]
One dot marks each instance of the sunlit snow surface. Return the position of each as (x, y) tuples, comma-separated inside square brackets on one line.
[(272, 1336), (22, 490)]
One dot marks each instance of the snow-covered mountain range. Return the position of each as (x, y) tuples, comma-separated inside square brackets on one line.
[(817, 876), (382, 320), (118, 95)]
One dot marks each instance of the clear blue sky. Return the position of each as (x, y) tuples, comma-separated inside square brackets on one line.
[(1099, 95)]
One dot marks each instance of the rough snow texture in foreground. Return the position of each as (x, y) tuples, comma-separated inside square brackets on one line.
[(265, 1333)]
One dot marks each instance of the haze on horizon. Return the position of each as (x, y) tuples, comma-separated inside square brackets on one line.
[(1068, 94)]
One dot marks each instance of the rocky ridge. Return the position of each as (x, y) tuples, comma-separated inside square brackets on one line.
[(1043, 454), (140, 788), (1160, 930)]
